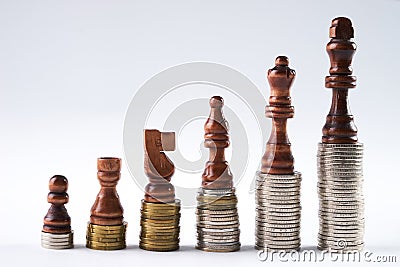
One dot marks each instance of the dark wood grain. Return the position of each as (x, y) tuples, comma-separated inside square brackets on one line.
[(278, 158), (217, 174), (339, 126), (158, 167), (107, 209), (57, 220)]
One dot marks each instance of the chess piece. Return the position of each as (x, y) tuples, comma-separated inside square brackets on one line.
[(160, 212), (278, 158), (217, 174), (340, 127), (278, 207), (57, 233), (107, 209), (158, 167), (340, 155), (216, 200), (106, 219)]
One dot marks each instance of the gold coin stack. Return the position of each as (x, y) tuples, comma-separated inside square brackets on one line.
[(106, 237), (160, 226)]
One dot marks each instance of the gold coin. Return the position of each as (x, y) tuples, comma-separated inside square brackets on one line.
[(105, 248), (155, 221), (155, 216), (151, 231), (159, 237), (105, 244), (108, 227), (105, 232), (105, 240), (157, 248), (122, 235)]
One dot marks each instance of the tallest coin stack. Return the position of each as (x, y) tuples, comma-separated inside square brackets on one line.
[(340, 155)]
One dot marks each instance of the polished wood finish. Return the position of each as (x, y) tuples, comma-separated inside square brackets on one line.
[(158, 167), (217, 174), (340, 127), (278, 158), (107, 209), (57, 220)]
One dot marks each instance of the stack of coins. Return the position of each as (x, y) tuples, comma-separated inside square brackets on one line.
[(106, 237), (217, 220), (160, 226), (278, 211), (58, 241), (341, 202)]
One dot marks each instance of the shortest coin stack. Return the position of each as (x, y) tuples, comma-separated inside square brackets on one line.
[(278, 211), (106, 237), (160, 226), (217, 220), (58, 241)]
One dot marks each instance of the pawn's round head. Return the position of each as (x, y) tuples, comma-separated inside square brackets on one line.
[(282, 61), (216, 102), (58, 184)]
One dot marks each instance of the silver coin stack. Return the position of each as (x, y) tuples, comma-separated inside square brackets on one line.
[(278, 211), (341, 201), (57, 241), (217, 220)]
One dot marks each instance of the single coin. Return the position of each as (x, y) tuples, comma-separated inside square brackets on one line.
[(47, 246)]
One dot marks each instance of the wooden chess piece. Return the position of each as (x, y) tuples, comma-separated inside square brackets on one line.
[(107, 209), (278, 158), (57, 220), (158, 167), (217, 174), (340, 127)]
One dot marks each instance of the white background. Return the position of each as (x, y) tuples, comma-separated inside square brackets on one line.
[(68, 70)]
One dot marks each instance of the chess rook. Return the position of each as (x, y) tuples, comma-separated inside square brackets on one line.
[(56, 232), (106, 229), (277, 193), (340, 155), (160, 212), (216, 213), (107, 209)]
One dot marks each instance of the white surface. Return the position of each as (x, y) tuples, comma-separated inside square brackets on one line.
[(68, 70)]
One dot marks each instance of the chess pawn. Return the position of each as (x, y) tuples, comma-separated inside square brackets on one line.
[(339, 126), (217, 174), (158, 167), (107, 209), (57, 220), (278, 158)]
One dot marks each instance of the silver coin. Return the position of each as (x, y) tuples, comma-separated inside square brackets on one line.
[(270, 247), (213, 244), (222, 235), (218, 241), (57, 247), (275, 220), (340, 238), (223, 248), (214, 231), (55, 236), (284, 192), (218, 219), (216, 212), (284, 230), (220, 226)]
